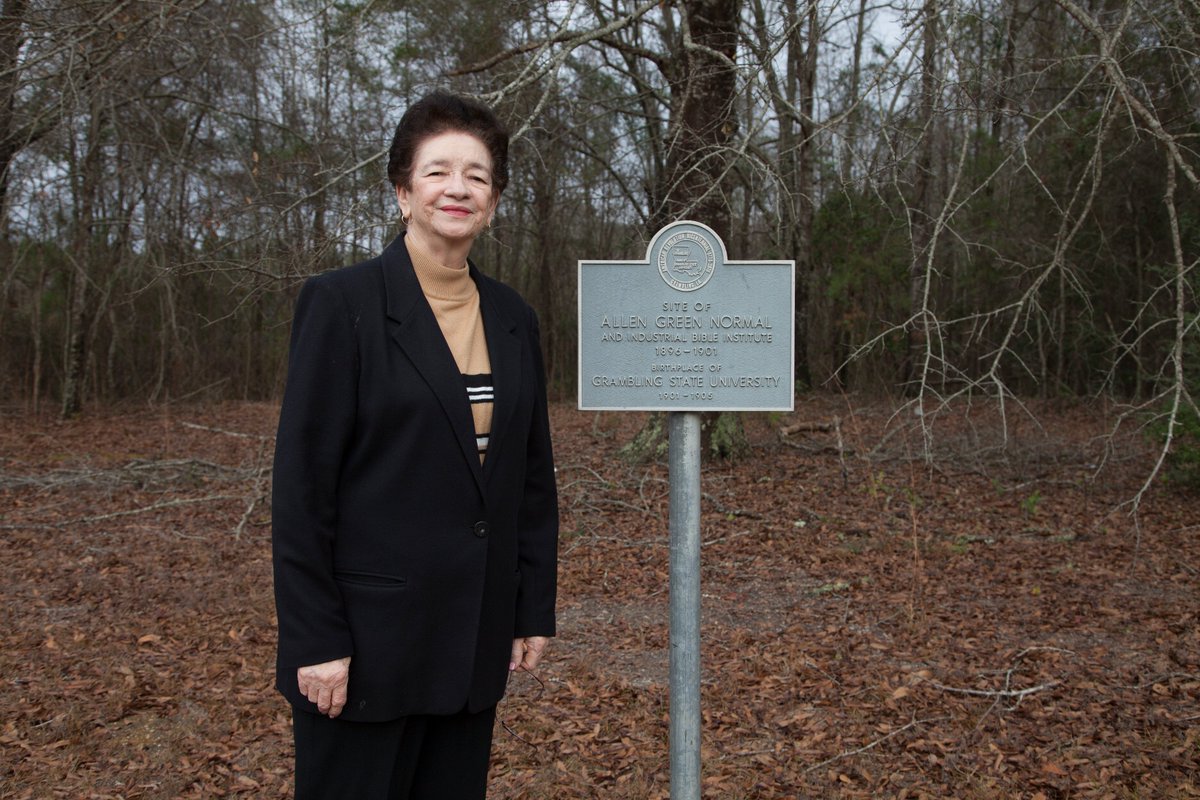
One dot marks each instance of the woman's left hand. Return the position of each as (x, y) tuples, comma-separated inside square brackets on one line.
[(527, 652)]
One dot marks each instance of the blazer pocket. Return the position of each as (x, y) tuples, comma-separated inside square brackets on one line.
[(370, 579)]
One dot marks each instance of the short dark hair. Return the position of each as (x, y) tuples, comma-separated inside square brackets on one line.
[(441, 112)]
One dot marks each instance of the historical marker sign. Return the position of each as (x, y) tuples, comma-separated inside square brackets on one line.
[(686, 329)]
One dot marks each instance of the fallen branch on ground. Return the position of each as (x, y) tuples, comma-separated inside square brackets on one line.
[(876, 743), (186, 501), (222, 431), (1000, 693), (807, 427)]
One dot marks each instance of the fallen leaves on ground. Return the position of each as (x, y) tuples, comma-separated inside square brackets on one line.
[(990, 623)]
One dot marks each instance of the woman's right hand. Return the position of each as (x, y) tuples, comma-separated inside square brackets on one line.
[(325, 684)]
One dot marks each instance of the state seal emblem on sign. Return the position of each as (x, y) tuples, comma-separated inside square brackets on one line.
[(686, 261)]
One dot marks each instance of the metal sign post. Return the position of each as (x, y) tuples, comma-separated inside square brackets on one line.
[(684, 457), (686, 331)]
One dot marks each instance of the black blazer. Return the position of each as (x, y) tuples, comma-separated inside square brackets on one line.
[(391, 543)]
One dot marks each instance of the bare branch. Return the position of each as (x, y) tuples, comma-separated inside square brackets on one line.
[(859, 751)]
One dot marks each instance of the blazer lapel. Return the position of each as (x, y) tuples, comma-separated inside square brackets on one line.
[(504, 352), (414, 328)]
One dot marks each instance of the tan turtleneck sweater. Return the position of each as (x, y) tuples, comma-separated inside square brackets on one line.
[(454, 299)]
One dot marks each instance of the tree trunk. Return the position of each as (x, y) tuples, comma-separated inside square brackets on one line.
[(546, 199), (703, 114), (805, 192), (698, 165), (36, 334), (11, 34), (792, 99), (850, 137), (1000, 102), (922, 207), (11, 18), (82, 253)]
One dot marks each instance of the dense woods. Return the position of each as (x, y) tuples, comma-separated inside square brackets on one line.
[(991, 198)]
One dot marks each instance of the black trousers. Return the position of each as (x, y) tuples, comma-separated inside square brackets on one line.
[(420, 757)]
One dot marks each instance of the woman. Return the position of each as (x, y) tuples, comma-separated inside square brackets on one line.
[(414, 511)]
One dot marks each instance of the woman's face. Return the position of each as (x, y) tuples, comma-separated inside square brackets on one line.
[(452, 198)]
